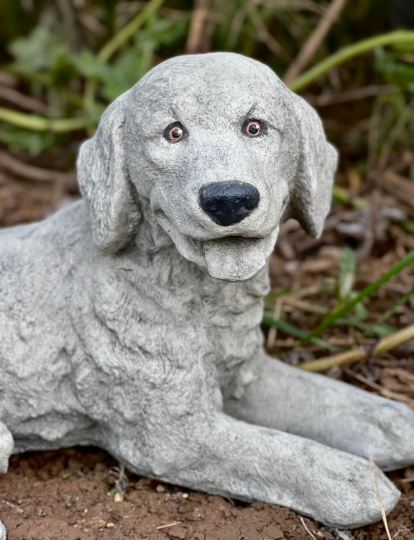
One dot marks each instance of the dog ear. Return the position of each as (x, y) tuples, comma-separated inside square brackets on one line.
[(311, 189), (104, 182)]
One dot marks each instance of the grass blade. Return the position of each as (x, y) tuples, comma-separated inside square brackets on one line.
[(304, 80), (294, 331), (393, 308), (344, 308)]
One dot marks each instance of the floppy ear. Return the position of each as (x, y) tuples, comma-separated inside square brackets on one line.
[(311, 189), (104, 182)]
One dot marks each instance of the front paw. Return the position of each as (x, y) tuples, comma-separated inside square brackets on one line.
[(394, 446), (357, 493)]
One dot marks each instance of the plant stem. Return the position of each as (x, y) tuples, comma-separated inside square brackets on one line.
[(397, 304), (293, 330), (342, 309), (315, 40), (399, 36), (350, 357), (129, 30), (117, 41), (35, 123)]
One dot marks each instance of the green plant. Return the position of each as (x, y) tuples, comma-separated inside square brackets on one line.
[(46, 61), (343, 308)]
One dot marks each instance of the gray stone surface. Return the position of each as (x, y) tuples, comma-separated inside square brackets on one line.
[(3, 534), (131, 320)]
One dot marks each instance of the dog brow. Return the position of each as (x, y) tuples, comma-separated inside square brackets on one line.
[(250, 111)]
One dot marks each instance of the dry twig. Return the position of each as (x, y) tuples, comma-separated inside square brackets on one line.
[(168, 525), (329, 98), (272, 335), (307, 530), (13, 165), (385, 392), (356, 355), (25, 102), (402, 188), (198, 21), (314, 41), (263, 33), (384, 517), (68, 16)]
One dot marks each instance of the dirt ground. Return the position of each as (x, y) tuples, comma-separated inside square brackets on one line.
[(67, 494)]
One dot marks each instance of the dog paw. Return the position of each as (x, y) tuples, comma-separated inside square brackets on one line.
[(358, 495), (394, 448)]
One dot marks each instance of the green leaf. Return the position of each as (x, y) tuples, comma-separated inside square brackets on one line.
[(33, 142), (89, 65), (369, 330), (394, 72), (342, 309), (346, 273), (37, 51), (130, 67), (361, 312)]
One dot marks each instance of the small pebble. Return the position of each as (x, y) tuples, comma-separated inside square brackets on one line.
[(110, 525), (160, 488), (118, 497), (185, 495)]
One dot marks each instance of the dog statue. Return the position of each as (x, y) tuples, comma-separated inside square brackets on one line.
[(131, 320)]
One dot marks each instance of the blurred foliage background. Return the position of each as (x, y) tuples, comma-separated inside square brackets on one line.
[(72, 57)]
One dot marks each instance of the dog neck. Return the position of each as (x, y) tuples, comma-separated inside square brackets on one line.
[(156, 285), (182, 281)]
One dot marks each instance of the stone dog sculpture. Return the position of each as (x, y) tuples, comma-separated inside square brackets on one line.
[(130, 321)]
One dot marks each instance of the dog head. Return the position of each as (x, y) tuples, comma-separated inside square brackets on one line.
[(222, 151)]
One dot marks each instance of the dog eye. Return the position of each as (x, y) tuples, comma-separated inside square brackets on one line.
[(175, 132), (254, 127)]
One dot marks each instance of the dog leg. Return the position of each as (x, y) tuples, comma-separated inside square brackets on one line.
[(6, 448), (273, 394), (219, 454)]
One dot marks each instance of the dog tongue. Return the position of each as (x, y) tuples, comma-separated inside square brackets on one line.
[(235, 259)]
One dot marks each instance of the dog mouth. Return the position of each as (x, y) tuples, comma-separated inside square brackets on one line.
[(236, 258), (230, 258)]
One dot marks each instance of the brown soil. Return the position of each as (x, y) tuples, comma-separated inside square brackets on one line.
[(67, 495)]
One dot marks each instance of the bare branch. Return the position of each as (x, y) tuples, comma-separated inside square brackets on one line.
[(29, 172), (314, 41), (198, 21)]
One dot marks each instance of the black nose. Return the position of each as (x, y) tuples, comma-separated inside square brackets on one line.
[(228, 203)]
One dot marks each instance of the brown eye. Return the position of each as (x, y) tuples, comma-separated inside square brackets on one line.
[(253, 128), (175, 132)]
